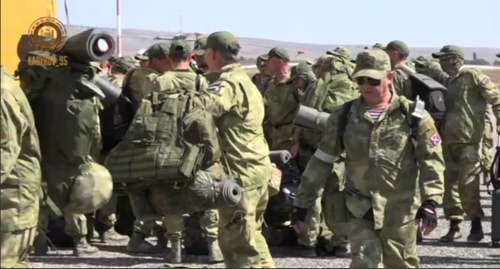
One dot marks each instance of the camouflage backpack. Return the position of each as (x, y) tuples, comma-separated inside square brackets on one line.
[(154, 149)]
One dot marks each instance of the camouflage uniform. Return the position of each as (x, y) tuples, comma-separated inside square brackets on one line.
[(143, 81), (261, 79), (344, 55), (464, 129), (401, 80), (323, 99), (380, 197), (172, 81), (381, 46), (21, 175), (282, 100), (238, 110)]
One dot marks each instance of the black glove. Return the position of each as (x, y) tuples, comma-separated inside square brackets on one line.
[(298, 214), (424, 213)]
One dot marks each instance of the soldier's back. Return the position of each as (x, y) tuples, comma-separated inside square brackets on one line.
[(141, 81), (401, 80), (177, 79)]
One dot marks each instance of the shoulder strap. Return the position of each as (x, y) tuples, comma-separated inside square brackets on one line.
[(343, 121), (197, 83)]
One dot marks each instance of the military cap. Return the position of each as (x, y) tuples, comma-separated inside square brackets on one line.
[(399, 46), (180, 46), (341, 52), (310, 62), (125, 63), (223, 41), (261, 60), (449, 50), (321, 60), (373, 63), (279, 53), (158, 51), (299, 71), (380, 46), (421, 60), (200, 45)]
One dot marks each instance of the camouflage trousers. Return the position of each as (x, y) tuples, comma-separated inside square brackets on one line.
[(146, 227), (209, 221), (462, 180), (15, 248), (106, 215), (390, 247), (240, 231)]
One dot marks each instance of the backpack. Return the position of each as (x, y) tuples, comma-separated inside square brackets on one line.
[(154, 148), (429, 91), (115, 119)]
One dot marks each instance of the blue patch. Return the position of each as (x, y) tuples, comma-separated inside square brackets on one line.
[(486, 81), (214, 88)]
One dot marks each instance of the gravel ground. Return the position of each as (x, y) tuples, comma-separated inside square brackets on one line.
[(432, 253)]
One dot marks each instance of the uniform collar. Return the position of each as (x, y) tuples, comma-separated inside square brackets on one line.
[(359, 109)]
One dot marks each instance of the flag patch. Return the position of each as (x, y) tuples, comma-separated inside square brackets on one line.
[(435, 139), (486, 81), (214, 88)]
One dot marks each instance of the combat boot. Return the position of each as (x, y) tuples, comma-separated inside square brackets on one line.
[(453, 233), (175, 254), (111, 235), (40, 246), (476, 230), (214, 253), (138, 244), (82, 247)]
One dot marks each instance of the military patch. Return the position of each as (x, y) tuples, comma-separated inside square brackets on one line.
[(368, 60), (486, 80), (215, 88), (435, 139)]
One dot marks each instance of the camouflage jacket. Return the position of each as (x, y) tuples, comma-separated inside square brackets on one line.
[(382, 163), (142, 82), (401, 81), (20, 187), (282, 101), (470, 94), (237, 107), (261, 81)]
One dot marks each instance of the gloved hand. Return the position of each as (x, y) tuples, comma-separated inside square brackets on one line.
[(427, 217), (298, 218)]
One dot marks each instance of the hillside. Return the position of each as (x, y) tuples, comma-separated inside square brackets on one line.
[(135, 39)]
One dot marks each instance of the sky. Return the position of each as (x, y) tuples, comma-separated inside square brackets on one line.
[(423, 23)]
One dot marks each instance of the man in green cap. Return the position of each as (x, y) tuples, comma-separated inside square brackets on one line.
[(20, 188), (106, 216), (282, 100), (382, 214), (142, 58), (465, 124), (199, 55), (344, 55), (319, 63), (141, 81), (398, 52), (381, 46), (261, 79), (237, 107), (181, 77)]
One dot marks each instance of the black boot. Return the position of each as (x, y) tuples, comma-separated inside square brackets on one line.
[(453, 232), (476, 230)]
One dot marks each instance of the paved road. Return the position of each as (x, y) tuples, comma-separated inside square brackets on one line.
[(432, 254)]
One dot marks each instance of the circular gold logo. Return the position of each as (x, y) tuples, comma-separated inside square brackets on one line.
[(47, 34)]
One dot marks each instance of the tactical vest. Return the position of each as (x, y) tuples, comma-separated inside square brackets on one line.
[(154, 150)]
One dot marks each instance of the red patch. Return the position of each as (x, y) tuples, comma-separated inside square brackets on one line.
[(435, 139)]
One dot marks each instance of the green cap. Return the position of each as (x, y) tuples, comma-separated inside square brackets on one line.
[(279, 53), (373, 63), (302, 70), (399, 46), (200, 45), (180, 46), (158, 51), (223, 41), (321, 60), (380, 46), (310, 62), (125, 63), (421, 60), (449, 50), (341, 52), (261, 60)]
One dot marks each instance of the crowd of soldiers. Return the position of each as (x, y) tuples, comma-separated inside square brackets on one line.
[(374, 183)]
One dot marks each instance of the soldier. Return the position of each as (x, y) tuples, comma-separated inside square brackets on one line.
[(470, 92), (398, 53), (199, 55), (319, 63), (380, 197), (237, 107), (106, 216), (344, 55), (142, 81), (282, 100), (142, 58), (381, 46), (21, 175), (261, 79), (180, 77)]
